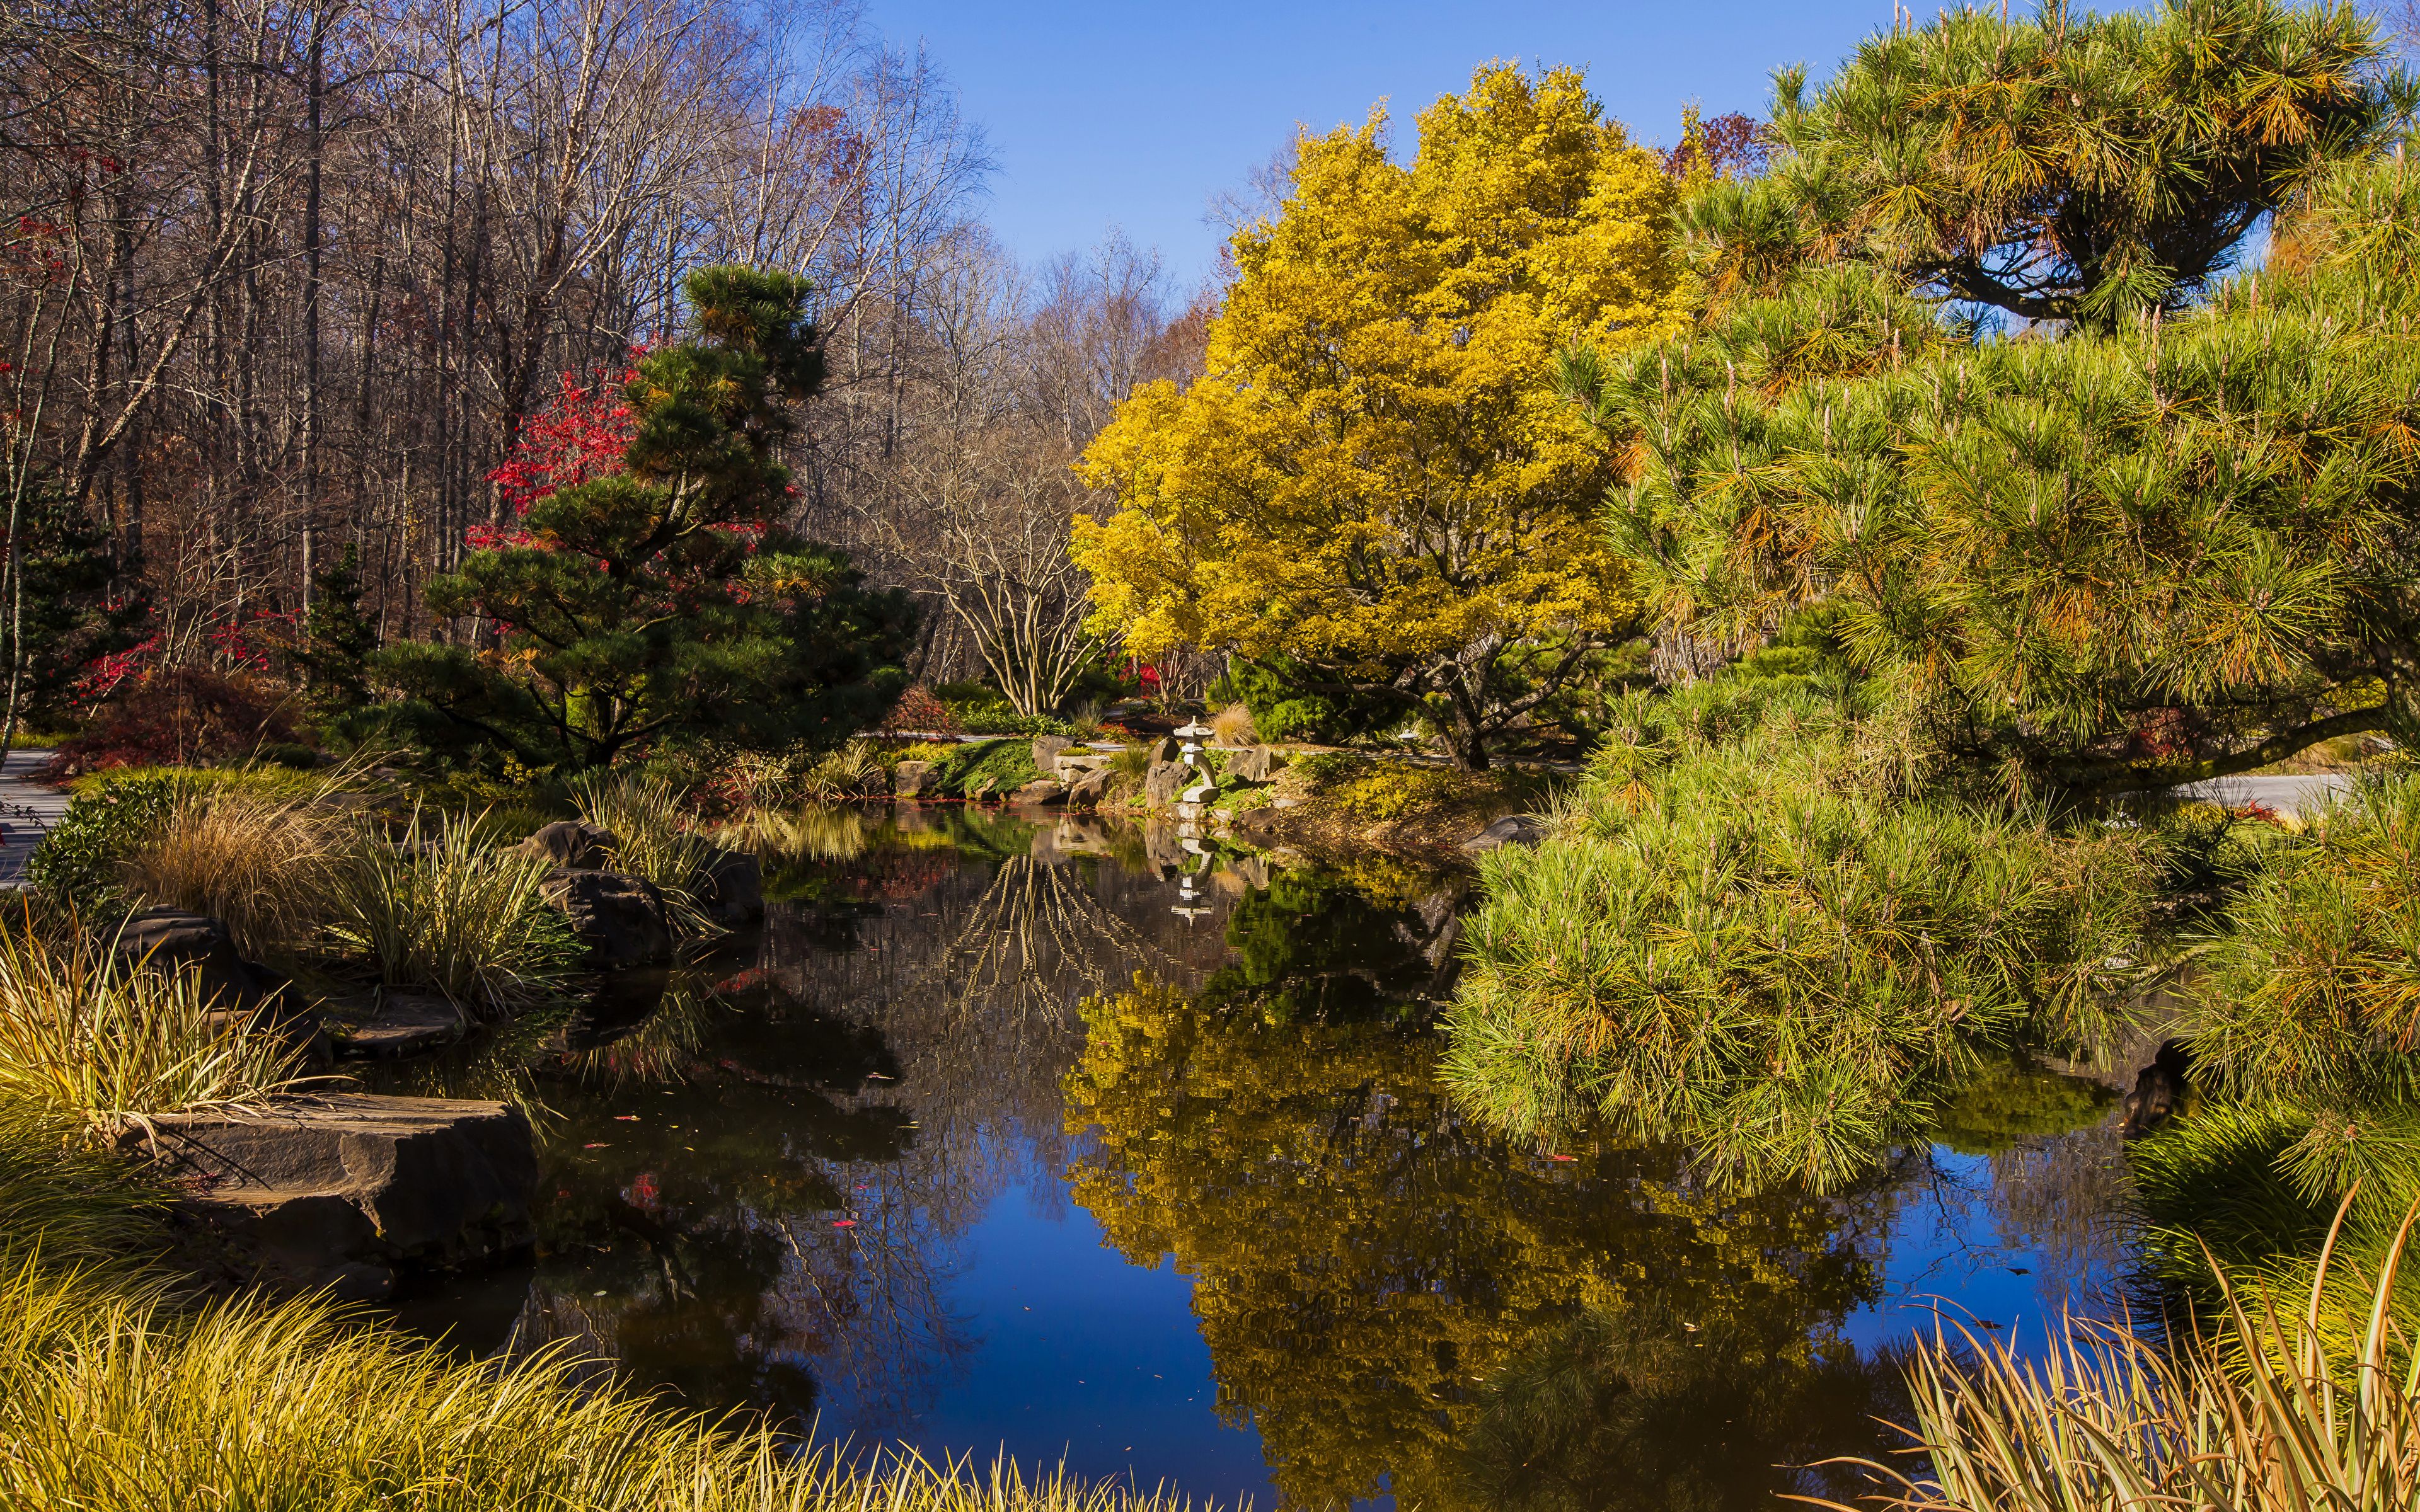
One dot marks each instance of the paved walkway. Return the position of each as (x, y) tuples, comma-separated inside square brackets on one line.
[(2285, 795), (27, 810)]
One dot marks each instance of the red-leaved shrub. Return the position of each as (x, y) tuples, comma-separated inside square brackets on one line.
[(177, 717)]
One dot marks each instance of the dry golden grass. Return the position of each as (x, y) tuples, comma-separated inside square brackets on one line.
[(112, 1400), (1233, 726), (87, 1045), (265, 863)]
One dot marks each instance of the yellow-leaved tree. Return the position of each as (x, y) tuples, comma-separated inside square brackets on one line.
[(1376, 486)]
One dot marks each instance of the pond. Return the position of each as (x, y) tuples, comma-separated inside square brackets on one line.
[(1059, 1141)]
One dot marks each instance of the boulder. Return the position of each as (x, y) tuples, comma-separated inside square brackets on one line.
[(403, 1024), (1253, 763), (730, 885), (168, 939), (909, 778), (2158, 1089), (569, 843), (1168, 749), (346, 1190), (1088, 791), (1163, 780), (1512, 830), (171, 939), (1042, 790), (1069, 765), (619, 920), (1046, 749)]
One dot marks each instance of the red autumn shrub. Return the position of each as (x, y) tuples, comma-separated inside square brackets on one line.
[(176, 717), (919, 712)]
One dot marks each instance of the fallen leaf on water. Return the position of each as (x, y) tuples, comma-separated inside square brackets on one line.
[(599, 1145), (625, 1117), (843, 1222), (1562, 1157)]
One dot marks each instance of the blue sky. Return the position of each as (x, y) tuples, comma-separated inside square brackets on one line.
[(1133, 116)]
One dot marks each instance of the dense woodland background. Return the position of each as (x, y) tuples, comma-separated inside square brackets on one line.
[(281, 279)]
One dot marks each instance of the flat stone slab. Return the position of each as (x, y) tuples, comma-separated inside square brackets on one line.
[(402, 1024), (1512, 830), (350, 1189)]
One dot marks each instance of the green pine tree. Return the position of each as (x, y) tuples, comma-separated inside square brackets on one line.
[(75, 608), (338, 636), (2067, 167), (661, 602)]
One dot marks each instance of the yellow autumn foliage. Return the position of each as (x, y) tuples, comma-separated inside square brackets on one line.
[(1371, 1343), (1377, 476)]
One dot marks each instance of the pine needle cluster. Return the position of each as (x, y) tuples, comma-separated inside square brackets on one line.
[(1753, 932), (2177, 550)]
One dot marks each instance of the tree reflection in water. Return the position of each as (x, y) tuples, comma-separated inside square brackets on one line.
[(770, 1179), (1397, 1301)]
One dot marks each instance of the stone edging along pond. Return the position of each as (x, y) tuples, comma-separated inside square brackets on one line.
[(354, 1193)]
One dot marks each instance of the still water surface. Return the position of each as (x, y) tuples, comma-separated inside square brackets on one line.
[(1058, 1141)]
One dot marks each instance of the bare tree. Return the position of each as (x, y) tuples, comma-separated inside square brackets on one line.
[(1021, 373), (274, 274)]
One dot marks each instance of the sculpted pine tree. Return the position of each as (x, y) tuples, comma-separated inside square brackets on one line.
[(1372, 483), (2063, 168), (658, 599), (2114, 563)]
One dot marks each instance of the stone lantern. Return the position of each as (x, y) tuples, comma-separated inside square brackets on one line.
[(1188, 815), (1189, 805)]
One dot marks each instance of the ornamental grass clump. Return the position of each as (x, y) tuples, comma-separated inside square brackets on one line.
[(1753, 932), (111, 1396), (847, 773), (89, 1047), (457, 912), (265, 861), (655, 841), (2269, 1413)]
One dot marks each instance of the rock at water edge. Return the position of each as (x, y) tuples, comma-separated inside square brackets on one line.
[(909, 778), (1088, 789), (731, 886), (568, 842), (618, 919), (403, 1024), (168, 940), (350, 1189), (1512, 830)]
